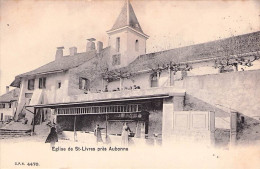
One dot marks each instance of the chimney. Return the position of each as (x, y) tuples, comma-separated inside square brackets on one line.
[(99, 46), (7, 89), (59, 52), (91, 44), (73, 51)]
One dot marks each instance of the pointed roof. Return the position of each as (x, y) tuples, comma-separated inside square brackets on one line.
[(127, 17)]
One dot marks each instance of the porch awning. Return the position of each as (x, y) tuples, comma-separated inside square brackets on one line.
[(56, 105)]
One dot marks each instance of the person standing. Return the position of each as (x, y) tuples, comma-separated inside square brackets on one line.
[(97, 133), (125, 135), (52, 137)]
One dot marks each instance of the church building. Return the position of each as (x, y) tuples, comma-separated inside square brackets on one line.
[(161, 95)]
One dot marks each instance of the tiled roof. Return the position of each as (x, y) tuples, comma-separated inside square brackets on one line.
[(236, 45), (127, 17), (61, 64), (10, 96)]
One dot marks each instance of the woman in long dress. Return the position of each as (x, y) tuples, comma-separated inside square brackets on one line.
[(52, 137), (125, 135), (97, 133)]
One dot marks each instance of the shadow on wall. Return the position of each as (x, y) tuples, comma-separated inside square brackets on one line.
[(222, 118), (248, 130), (194, 104)]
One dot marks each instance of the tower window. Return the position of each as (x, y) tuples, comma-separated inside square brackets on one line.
[(118, 44), (137, 45), (59, 84)]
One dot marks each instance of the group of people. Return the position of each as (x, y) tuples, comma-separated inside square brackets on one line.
[(125, 134), (53, 136)]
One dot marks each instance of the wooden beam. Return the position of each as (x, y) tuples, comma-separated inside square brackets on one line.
[(34, 120), (75, 134)]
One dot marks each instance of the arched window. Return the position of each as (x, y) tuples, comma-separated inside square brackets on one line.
[(154, 80), (136, 45), (84, 83)]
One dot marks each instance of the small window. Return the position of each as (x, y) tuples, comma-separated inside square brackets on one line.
[(2, 117), (84, 84), (118, 44), (31, 84), (42, 83), (10, 105), (116, 60), (137, 45), (59, 84), (2, 105), (28, 95), (154, 80)]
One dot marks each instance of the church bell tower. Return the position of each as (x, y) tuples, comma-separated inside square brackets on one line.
[(126, 38)]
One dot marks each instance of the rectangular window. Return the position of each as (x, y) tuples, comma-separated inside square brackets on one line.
[(116, 60), (136, 45), (10, 105), (2, 105), (84, 83), (42, 83), (154, 80), (118, 44), (59, 84), (2, 116), (28, 95), (31, 84)]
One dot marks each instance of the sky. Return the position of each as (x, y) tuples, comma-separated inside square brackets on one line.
[(30, 30)]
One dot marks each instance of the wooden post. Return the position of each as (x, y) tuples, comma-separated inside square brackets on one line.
[(34, 119), (233, 128), (75, 134), (106, 127), (41, 116)]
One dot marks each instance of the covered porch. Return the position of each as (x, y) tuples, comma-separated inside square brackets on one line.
[(145, 111)]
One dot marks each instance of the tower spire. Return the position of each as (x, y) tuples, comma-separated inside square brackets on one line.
[(128, 18)]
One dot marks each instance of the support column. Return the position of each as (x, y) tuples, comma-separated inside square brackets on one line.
[(170, 105), (34, 113), (167, 119), (233, 128), (75, 131)]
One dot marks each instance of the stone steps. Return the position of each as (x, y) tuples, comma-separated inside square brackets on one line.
[(4, 133)]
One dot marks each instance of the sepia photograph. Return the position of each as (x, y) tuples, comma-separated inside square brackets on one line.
[(130, 84)]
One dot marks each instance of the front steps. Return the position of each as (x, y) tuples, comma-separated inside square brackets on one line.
[(5, 133)]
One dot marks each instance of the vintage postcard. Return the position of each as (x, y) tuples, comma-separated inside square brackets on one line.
[(129, 84)]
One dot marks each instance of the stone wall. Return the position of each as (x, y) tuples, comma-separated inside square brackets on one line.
[(225, 92), (236, 90)]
